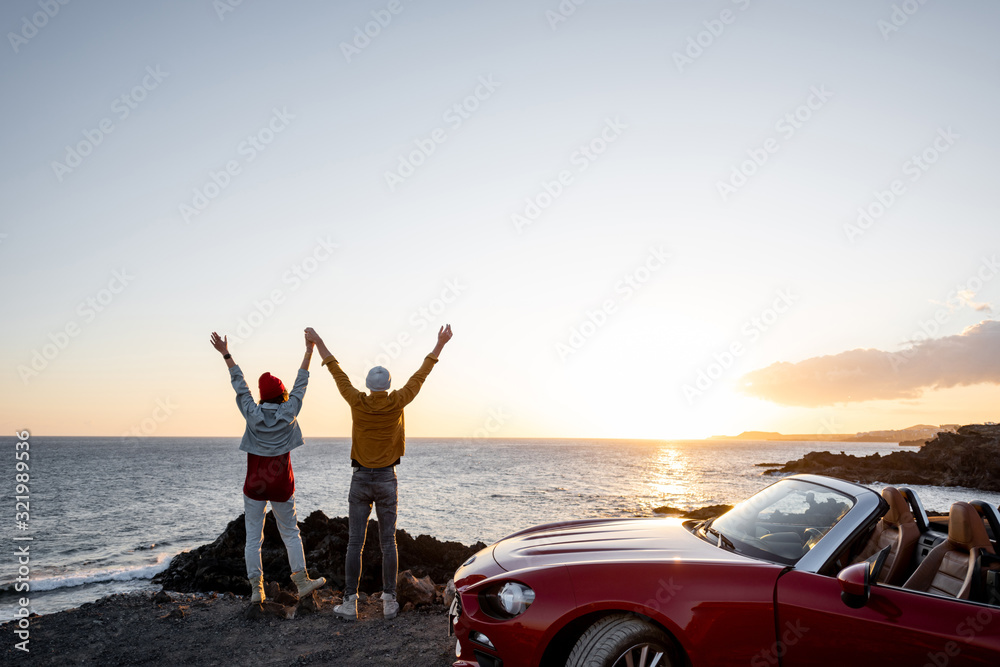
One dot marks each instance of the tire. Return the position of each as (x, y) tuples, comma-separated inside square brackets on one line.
[(608, 641)]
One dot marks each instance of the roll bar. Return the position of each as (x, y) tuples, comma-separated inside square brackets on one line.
[(916, 507), (991, 515)]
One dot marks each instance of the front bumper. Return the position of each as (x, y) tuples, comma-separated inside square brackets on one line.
[(473, 647), (486, 641)]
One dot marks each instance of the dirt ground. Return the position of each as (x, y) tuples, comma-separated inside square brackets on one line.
[(134, 629)]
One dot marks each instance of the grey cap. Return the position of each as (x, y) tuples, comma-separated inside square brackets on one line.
[(378, 379)]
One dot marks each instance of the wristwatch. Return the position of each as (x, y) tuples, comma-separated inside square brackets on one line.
[(227, 356)]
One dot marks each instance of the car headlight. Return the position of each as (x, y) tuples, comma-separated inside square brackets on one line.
[(509, 600)]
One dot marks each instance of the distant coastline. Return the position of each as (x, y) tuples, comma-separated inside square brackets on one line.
[(968, 457), (913, 435)]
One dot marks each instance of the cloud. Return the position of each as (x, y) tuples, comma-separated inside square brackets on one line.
[(971, 357), (966, 296)]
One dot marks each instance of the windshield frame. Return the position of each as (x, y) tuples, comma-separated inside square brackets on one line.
[(867, 507)]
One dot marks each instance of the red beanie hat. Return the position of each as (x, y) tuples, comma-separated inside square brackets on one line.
[(270, 387)]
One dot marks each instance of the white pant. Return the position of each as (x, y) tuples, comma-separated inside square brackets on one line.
[(288, 526)]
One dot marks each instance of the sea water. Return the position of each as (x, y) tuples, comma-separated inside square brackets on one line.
[(107, 514)]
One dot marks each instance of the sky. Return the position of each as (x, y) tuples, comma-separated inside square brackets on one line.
[(642, 219)]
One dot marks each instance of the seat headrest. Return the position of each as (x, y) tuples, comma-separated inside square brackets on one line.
[(899, 510), (966, 529)]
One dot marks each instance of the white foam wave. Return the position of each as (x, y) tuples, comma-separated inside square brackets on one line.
[(98, 576)]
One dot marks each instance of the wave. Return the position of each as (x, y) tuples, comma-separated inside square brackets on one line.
[(97, 576)]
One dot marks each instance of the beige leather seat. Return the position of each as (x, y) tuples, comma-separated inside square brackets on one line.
[(950, 568), (898, 530)]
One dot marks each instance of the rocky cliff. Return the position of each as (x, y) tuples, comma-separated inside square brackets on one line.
[(970, 457)]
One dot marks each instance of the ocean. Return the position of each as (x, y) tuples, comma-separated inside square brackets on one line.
[(107, 514)]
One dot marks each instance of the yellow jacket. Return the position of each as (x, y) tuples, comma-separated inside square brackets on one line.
[(377, 437)]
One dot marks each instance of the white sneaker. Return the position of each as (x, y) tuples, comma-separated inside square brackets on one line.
[(389, 605), (348, 609)]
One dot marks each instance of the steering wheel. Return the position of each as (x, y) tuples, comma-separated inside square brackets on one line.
[(812, 536)]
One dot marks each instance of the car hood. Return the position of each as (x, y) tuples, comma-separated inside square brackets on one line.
[(618, 540)]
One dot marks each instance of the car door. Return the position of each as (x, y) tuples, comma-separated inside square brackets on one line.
[(896, 627)]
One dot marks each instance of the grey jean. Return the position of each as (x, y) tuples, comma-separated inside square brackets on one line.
[(288, 527), (378, 486)]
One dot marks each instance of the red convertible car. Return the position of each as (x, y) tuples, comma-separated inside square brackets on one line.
[(809, 571)]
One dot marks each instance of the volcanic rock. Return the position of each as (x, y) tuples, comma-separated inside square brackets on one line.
[(706, 512), (449, 593), (410, 589), (268, 609), (310, 604), (220, 566), (969, 457)]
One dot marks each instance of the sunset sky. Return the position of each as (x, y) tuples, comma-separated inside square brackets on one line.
[(642, 219)]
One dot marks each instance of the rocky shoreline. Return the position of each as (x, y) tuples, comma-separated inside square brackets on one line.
[(969, 457), (707, 512), (219, 567), (203, 615)]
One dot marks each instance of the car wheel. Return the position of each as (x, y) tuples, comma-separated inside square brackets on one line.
[(621, 641)]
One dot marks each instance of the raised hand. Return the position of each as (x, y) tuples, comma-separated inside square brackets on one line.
[(313, 337), (444, 335), (219, 343)]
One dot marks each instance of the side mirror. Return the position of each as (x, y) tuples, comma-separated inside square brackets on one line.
[(855, 586), (857, 580)]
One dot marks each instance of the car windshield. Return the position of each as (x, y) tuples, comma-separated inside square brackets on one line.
[(782, 522)]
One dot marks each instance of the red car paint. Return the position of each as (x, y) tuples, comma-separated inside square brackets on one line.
[(717, 605)]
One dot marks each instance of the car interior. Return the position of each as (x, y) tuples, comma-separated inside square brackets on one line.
[(781, 523), (898, 530), (955, 556)]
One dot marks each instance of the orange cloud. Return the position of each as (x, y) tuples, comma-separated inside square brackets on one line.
[(971, 357)]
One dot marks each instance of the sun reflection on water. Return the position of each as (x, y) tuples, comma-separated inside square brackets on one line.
[(670, 476)]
